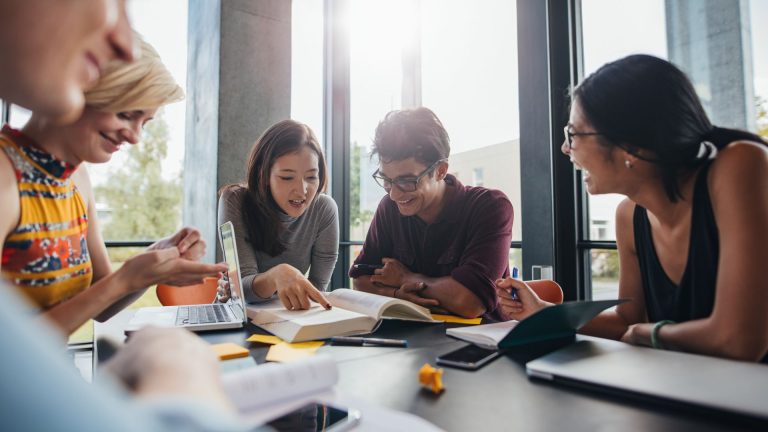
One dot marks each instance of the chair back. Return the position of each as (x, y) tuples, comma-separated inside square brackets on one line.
[(547, 290), (202, 293)]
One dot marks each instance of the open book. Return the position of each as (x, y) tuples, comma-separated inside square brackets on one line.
[(353, 312), (554, 322)]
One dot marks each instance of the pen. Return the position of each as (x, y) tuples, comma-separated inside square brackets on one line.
[(362, 341), (515, 275)]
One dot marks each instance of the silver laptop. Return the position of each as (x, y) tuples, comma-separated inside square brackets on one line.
[(686, 379), (230, 314)]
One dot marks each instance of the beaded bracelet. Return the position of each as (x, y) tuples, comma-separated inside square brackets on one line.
[(655, 333)]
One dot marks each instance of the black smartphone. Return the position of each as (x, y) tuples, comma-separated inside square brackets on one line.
[(469, 357), (368, 268), (315, 417)]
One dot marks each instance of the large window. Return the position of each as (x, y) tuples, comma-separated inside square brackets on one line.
[(720, 45)]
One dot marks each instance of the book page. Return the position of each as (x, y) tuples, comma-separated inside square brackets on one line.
[(273, 383), (358, 301), (487, 335), (311, 324)]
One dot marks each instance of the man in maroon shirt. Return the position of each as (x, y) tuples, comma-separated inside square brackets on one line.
[(441, 244)]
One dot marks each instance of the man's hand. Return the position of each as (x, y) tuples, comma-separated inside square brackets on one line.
[(393, 274), (411, 291)]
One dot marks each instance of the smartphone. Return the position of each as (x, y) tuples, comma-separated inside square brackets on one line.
[(368, 268), (315, 417), (470, 357)]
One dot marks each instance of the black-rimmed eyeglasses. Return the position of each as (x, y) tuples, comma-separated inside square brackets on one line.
[(569, 134), (405, 184)]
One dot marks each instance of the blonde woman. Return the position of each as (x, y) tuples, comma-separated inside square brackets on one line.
[(52, 249)]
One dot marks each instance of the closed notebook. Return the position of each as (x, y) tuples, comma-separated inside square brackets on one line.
[(353, 312), (554, 322)]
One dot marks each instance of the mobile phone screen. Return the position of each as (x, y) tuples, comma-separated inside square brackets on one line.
[(468, 357), (368, 268), (315, 417)]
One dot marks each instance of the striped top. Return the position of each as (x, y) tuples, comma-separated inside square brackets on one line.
[(46, 255)]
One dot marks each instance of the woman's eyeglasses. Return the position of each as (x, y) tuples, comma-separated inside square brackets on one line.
[(569, 134), (405, 184)]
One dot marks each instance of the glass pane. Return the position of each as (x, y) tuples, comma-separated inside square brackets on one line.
[(605, 274), (156, 212), (307, 64), (720, 46), (469, 78), (375, 88), (19, 116)]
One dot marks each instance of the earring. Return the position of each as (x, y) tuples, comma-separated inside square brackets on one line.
[(627, 163)]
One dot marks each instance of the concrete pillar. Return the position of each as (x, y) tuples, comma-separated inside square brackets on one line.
[(711, 41), (239, 84)]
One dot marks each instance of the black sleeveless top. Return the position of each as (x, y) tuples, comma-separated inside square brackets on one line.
[(694, 298)]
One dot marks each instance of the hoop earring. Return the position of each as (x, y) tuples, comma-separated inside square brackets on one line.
[(627, 163)]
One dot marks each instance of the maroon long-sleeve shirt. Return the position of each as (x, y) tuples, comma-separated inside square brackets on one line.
[(468, 241)]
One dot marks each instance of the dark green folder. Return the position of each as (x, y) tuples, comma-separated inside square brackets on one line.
[(555, 322)]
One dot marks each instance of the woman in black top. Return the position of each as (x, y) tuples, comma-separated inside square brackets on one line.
[(692, 233)]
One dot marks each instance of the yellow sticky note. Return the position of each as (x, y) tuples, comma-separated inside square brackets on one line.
[(286, 352), (456, 319), (265, 339), (229, 350)]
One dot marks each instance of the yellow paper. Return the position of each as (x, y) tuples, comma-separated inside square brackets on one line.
[(265, 339), (229, 350), (287, 352), (456, 319)]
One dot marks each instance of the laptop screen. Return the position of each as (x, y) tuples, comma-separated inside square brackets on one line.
[(227, 238)]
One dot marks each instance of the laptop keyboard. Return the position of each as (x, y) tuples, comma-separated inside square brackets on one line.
[(202, 314)]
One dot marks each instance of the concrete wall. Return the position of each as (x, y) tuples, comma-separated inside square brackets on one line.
[(711, 41), (239, 83)]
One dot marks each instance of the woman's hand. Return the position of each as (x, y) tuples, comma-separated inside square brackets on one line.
[(188, 240), (638, 334), (294, 290), (165, 266), (223, 290), (526, 304)]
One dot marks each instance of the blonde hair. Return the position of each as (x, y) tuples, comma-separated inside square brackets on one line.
[(144, 84)]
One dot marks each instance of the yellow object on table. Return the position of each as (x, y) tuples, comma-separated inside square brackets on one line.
[(229, 350), (265, 339), (456, 319), (286, 352), (431, 378)]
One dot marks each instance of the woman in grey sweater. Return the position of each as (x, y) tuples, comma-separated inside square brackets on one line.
[(288, 227)]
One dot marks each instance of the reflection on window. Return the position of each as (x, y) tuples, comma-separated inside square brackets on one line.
[(470, 80), (720, 45), (605, 274), (138, 193), (307, 64), (376, 75)]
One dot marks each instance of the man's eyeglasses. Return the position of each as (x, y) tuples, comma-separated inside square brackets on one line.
[(405, 184), (569, 134)]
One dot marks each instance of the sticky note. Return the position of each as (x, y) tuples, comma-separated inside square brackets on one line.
[(286, 352), (265, 339), (456, 319), (229, 350)]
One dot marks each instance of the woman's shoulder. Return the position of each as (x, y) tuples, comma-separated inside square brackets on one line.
[(739, 159), (232, 192), (325, 204)]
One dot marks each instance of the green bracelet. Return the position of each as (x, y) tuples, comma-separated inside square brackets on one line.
[(655, 333)]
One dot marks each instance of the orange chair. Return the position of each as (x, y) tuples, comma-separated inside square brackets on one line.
[(547, 290), (202, 293)]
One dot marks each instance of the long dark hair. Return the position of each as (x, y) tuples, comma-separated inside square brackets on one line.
[(643, 102), (260, 211)]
